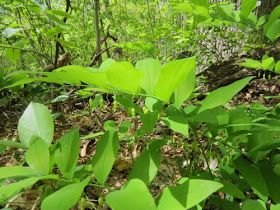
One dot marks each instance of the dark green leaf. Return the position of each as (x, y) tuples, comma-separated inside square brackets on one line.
[(106, 152), (67, 152)]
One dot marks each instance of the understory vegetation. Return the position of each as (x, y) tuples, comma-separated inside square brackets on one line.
[(104, 105)]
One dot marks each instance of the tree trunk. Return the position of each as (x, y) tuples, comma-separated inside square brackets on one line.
[(98, 44), (267, 7)]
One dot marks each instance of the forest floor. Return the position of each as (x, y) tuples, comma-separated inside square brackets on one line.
[(174, 158)]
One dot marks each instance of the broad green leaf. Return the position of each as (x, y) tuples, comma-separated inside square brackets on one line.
[(250, 63), (13, 144), (184, 91), (106, 64), (273, 31), (36, 121), (253, 177), (178, 124), (172, 76), (9, 190), (60, 13), (134, 195), (232, 190), (57, 21), (13, 54), (149, 120), (124, 126), (124, 76), (185, 7), (151, 69), (153, 104), (8, 32), (225, 11), (223, 95), (250, 204), (224, 204), (54, 31), (263, 141), (272, 180), (67, 152), (277, 67), (247, 7), (38, 156), (16, 171), (273, 17), (35, 8), (187, 195), (275, 207), (106, 152), (147, 164), (201, 7), (109, 124), (268, 63), (66, 197)]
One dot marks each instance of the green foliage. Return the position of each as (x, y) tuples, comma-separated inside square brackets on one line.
[(35, 121), (67, 153), (106, 152), (135, 191)]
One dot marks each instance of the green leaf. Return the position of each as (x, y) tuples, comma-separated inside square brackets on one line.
[(250, 63), (16, 171), (223, 95), (106, 64), (184, 91), (8, 32), (147, 164), (66, 197), (54, 31), (187, 195), (177, 70), (232, 190), (60, 13), (106, 152), (273, 17), (247, 7), (201, 7), (250, 204), (38, 156), (134, 195), (67, 152), (153, 104), (57, 21), (225, 11), (36, 121), (272, 180), (13, 54), (109, 124), (273, 30), (151, 69), (224, 204), (178, 124), (149, 120), (263, 141), (253, 177), (124, 126), (268, 63), (277, 67), (275, 207), (9, 190), (124, 76)]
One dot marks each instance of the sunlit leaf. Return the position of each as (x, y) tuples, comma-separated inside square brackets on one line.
[(134, 195), (36, 121)]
